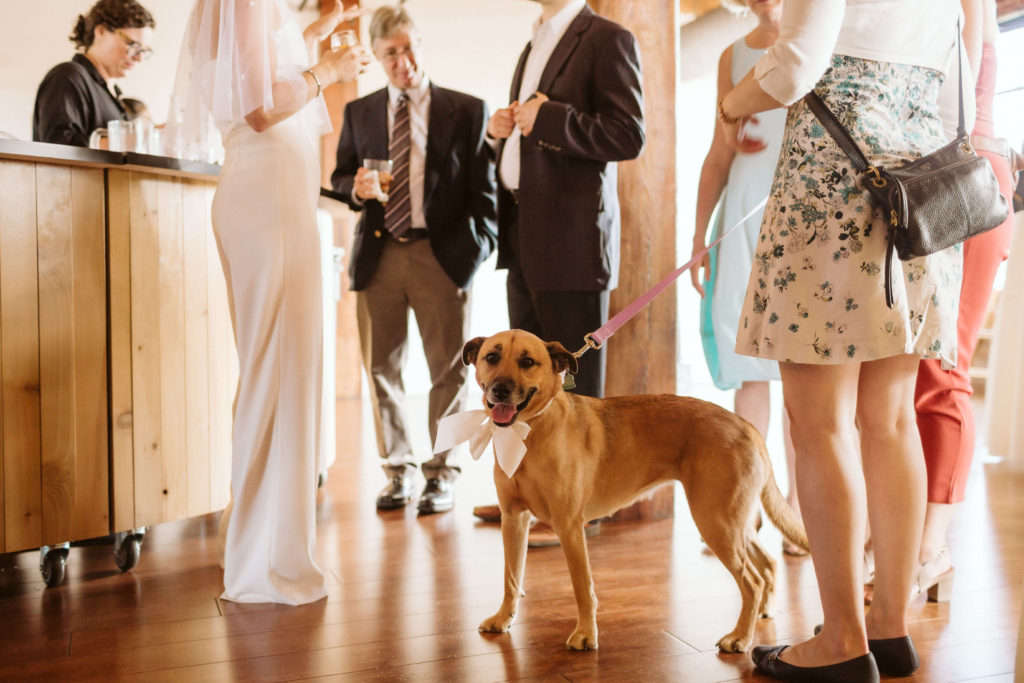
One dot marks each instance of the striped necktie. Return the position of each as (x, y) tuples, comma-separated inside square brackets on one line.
[(398, 215)]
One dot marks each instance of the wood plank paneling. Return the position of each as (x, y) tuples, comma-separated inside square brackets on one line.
[(169, 309), (122, 446), (92, 495), (56, 352), (195, 236), (147, 437), (171, 283), (72, 343), (19, 345)]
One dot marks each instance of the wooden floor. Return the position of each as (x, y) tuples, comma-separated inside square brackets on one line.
[(407, 593)]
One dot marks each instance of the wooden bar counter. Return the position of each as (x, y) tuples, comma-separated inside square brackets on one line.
[(117, 362)]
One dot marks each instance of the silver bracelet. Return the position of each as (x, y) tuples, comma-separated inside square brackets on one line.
[(319, 87)]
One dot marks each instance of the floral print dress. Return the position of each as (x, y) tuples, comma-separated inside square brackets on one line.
[(816, 289)]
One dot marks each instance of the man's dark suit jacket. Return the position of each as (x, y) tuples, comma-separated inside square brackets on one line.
[(568, 209), (458, 190)]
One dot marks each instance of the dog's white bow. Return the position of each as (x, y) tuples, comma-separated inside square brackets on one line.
[(477, 427)]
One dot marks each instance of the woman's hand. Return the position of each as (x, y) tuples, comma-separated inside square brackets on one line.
[(697, 278), (736, 136), (341, 66), (322, 27)]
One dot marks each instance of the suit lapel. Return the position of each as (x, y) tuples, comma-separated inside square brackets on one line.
[(440, 128), (566, 46), (517, 78)]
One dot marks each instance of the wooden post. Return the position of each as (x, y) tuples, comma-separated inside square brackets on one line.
[(642, 354)]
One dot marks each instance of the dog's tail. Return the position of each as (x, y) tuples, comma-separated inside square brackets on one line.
[(783, 517)]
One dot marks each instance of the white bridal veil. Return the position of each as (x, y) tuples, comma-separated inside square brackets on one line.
[(238, 56)]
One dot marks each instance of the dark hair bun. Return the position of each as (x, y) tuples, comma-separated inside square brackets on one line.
[(79, 34), (112, 14)]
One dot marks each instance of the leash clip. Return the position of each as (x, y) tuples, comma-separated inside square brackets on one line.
[(590, 344)]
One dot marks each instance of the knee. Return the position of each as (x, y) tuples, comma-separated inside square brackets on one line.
[(887, 421)]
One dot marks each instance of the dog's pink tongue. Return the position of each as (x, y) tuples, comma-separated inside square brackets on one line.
[(502, 413)]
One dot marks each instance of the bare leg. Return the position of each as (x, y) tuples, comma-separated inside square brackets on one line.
[(791, 495), (936, 523), (752, 402), (821, 401), (894, 471)]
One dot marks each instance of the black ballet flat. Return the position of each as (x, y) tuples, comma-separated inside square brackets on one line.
[(857, 670), (895, 656)]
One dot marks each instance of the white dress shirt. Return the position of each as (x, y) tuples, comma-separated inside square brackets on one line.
[(546, 35), (419, 116)]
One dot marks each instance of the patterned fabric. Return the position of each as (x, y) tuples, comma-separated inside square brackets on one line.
[(815, 293), (398, 215)]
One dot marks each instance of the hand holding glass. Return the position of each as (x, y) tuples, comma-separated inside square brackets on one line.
[(380, 172)]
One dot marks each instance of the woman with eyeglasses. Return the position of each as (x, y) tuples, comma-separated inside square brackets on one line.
[(80, 96)]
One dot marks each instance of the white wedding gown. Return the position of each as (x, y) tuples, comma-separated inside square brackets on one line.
[(264, 217)]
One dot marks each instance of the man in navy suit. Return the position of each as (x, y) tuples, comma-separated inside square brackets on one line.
[(577, 108), (416, 247)]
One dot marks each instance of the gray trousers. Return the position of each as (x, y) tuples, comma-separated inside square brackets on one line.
[(408, 278)]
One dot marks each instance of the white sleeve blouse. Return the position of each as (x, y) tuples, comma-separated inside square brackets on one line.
[(915, 32)]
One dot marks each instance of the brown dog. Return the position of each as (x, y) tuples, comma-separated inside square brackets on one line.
[(588, 457)]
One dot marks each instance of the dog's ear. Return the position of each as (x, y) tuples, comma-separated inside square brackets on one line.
[(562, 359), (470, 350)]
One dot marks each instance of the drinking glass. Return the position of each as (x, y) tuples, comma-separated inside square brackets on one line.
[(114, 134), (142, 134), (381, 170), (343, 39)]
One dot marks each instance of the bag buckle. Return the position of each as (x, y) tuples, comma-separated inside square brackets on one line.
[(876, 177), (894, 220)]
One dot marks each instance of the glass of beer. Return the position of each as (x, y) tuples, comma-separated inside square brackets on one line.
[(381, 170), (343, 39)]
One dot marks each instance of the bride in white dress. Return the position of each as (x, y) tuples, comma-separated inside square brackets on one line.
[(245, 67)]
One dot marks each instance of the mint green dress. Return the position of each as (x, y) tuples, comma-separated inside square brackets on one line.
[(750, 179)]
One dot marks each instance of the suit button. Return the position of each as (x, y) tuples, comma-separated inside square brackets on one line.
[(376, 233)]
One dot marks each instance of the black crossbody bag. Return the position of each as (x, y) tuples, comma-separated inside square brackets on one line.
[(932, 203)]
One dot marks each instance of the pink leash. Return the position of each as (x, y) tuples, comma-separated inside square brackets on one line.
[(598, 337)]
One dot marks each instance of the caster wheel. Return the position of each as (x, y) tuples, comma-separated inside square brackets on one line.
[(53, 565), (127, 549)]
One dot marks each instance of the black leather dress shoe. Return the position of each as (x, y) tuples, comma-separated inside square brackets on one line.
[(437, 496), (395, 495), (857, 670)]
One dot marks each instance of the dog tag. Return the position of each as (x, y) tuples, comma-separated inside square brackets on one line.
[(568, 384)]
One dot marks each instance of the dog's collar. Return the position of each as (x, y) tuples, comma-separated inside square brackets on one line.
[(477, 427)]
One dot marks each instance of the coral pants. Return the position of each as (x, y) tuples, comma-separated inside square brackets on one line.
[(943, 397)]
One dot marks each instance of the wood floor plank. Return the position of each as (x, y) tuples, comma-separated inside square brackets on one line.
[(406, 594)]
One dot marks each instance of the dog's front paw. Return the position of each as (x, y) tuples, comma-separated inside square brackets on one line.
[(582, 639), (498, 623), (733, 643)]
